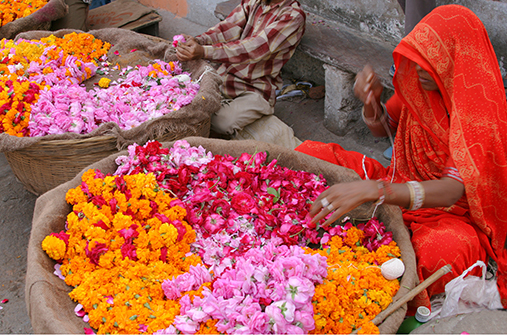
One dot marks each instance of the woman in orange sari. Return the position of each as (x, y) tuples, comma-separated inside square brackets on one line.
[(449, 166)]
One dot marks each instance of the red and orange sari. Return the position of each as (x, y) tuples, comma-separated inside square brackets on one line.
[(465, 121)]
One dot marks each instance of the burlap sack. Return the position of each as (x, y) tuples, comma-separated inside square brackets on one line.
[(189, 117), (117, 14), (38, 20), (51, 310)]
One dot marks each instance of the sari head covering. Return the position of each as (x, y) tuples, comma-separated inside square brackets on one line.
[(466, 119)]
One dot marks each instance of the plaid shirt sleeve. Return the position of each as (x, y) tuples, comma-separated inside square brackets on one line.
[(281, 34), (227, 30)]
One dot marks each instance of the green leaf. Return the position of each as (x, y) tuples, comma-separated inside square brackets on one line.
[(275, 193), (133, 317)]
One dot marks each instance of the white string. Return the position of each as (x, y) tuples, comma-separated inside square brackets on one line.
[(206, 70), (393, 156), (364, 169)]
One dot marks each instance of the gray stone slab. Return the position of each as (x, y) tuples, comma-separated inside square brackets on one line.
[(345, 48), (484, 322)]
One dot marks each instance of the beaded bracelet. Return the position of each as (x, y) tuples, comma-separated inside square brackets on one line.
[(417, 195)]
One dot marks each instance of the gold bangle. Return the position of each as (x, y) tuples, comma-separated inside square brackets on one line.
[(418, 195)]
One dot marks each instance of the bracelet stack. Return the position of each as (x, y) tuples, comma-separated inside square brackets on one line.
[(384, 191), (417, 195)]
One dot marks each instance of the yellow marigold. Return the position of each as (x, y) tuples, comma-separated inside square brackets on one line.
[(121, 288), (169, 233), (104, 82), (54, 247)]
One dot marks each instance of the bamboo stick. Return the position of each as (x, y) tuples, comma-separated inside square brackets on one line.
[(410, 295)]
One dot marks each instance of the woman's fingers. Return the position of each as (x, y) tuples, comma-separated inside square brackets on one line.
[(341, 198)]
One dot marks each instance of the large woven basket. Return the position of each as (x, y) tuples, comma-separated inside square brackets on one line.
[(52, 311), (49, 161)]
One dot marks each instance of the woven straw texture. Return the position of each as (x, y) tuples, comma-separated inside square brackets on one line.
[(38, 20), (52, 311), (42, 163)]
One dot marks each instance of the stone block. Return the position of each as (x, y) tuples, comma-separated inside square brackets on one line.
[(340, 106)]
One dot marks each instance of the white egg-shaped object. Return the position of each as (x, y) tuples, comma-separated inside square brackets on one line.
[(392, 269)]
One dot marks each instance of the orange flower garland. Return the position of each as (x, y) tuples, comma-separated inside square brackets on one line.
[(121, 290), (11, 10), (354, 291)]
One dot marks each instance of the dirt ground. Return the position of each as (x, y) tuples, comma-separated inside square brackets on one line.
[(16, 209)]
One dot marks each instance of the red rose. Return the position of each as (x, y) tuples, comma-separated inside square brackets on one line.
[(243, 203)]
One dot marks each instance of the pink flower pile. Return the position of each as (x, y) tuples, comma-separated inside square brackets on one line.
[(136, 97), (267, 290)]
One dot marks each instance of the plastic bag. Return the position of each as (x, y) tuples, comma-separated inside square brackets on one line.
[(466, 294)]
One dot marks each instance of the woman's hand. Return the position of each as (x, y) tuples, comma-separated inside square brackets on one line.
[(367, 86), (342, 198), (368, 89)]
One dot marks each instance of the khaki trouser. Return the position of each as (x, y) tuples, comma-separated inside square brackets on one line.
[(76, 18), (235, 114)]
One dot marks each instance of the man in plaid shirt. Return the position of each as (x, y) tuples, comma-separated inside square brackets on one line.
[(252, 43)]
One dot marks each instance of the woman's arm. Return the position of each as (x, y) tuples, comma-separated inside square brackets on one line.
[(344, 197)]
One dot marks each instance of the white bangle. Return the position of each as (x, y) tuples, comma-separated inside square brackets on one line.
[(417, 195)]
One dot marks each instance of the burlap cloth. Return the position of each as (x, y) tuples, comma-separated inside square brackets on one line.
[(38, 20), (52, 311), (206, 102)]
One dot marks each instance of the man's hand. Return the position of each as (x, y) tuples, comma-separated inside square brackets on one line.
[(191, 50)]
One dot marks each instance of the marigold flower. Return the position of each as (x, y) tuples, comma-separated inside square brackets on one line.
[(104, 82), (54, 247)]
